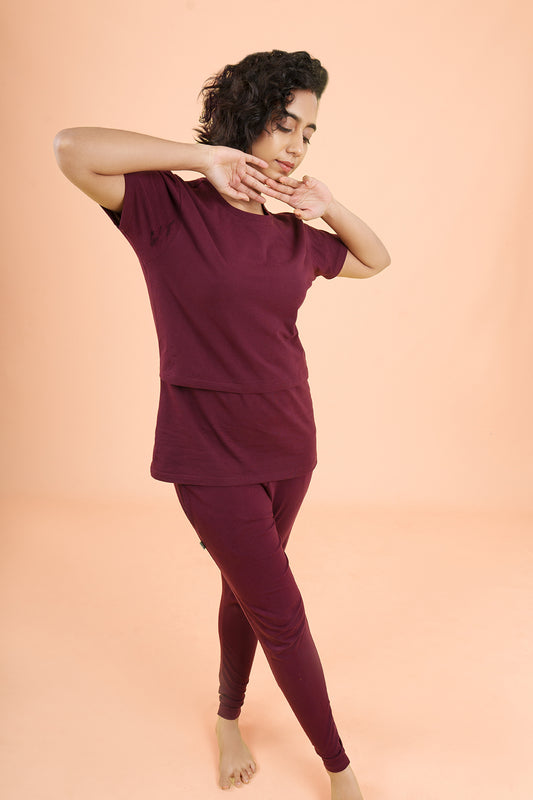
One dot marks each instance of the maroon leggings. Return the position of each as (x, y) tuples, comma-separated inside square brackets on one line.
[(245, 530)]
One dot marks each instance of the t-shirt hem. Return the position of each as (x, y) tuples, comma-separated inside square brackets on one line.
[(235, 480), (256, 387)]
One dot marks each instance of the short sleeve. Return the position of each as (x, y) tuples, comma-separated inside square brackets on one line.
[(150, 216), (326, 251)]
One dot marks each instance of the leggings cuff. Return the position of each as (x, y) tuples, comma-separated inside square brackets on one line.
[(338, 763), (228, 713)]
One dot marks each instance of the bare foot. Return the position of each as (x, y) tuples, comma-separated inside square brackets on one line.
[(344, 785), (236, 762)]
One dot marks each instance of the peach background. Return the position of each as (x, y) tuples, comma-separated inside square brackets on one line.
[(418, 521)]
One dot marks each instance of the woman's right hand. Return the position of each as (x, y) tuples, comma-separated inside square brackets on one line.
[(234, 174)]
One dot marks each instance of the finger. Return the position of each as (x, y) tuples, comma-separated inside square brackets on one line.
[(235, 194), (277, 195), (309, 181), (246, 190), (303, 213), (289, 181), (254, 173), (248, 181), (282, 187), (251, 194), (285, 191), (256, 160)]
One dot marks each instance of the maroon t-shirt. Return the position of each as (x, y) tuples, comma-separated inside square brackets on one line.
[(225, 286)]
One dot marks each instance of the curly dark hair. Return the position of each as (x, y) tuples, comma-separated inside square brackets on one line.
[(242, 98)]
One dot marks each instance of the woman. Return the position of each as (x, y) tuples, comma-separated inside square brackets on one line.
[(235, 432)]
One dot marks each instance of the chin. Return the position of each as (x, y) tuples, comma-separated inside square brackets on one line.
[(272, 172), (280, 173)]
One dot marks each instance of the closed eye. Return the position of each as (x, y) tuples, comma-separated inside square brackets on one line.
[(289, 130)]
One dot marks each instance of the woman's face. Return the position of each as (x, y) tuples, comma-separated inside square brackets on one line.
[(284, 145)]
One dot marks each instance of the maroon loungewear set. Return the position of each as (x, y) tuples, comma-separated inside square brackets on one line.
[(235, 429)]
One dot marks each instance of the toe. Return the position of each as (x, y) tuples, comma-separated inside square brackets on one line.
[(225, 781)]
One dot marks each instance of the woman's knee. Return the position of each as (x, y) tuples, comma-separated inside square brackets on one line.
[(279, 626)]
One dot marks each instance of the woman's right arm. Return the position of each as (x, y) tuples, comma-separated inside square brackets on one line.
[(95, 160)]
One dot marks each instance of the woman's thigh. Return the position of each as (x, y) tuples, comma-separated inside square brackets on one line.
[(287, 498), (232, 510), (238, 527)]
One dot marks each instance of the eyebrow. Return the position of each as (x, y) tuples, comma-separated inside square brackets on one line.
[(299, 119)]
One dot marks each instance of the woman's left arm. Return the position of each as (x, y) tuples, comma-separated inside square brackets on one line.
[(366, 254), (310, 198)]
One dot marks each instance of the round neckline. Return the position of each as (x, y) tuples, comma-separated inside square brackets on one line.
[(237, 211)]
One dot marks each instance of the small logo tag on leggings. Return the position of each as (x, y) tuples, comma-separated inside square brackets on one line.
[(203, 545)]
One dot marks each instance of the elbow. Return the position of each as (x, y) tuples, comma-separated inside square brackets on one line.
[(383, 263), (386, 259), (379, 268), (62, 137), (61, 142), (67, 150)]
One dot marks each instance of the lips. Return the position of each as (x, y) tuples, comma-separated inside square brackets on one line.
[(287, 165)]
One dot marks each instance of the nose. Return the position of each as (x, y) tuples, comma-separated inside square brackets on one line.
[(296, 144)]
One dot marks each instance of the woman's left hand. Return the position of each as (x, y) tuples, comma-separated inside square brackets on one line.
[(309, 197)]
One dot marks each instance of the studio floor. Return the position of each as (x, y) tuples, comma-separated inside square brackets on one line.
[(422, 618)]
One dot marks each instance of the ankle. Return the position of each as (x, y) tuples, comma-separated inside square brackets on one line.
[(222, 722), (341, 773), (344, 785)]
